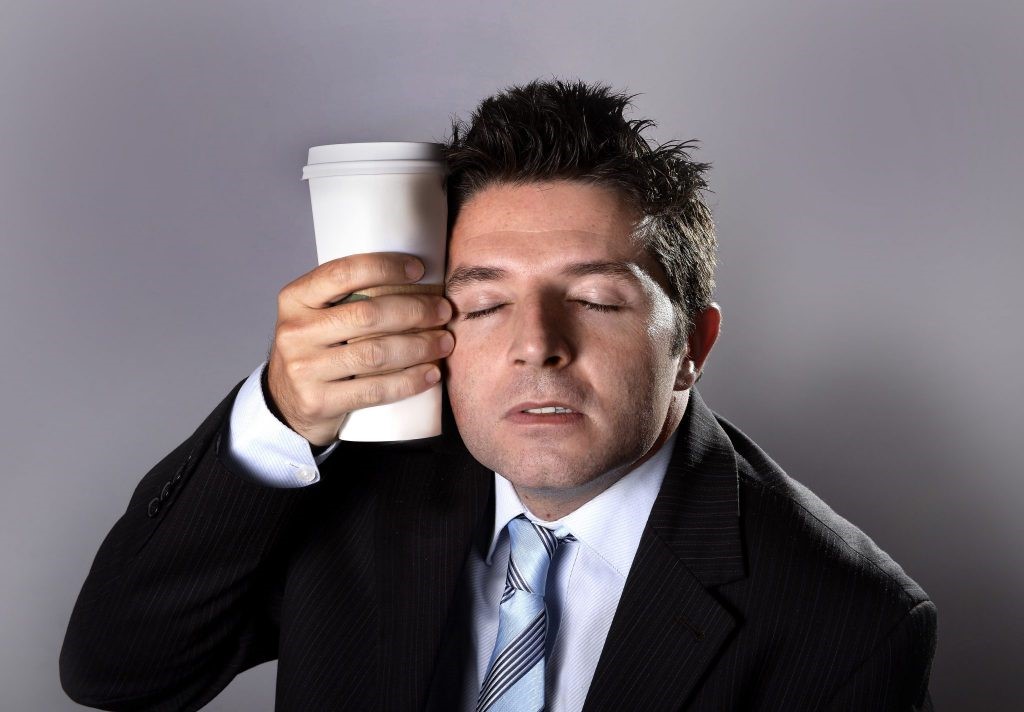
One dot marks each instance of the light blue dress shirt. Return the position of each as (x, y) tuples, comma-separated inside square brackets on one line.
[(586, 577), (265, 448)]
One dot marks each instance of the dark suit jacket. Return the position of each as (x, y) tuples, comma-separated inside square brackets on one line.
[(747, 591)]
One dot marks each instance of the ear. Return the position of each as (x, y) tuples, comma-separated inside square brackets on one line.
[(704, 333)]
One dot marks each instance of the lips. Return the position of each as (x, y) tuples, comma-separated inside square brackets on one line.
[(535, 405)]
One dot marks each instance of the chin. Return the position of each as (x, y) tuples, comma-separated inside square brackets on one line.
[(540, 470), (545, 479)]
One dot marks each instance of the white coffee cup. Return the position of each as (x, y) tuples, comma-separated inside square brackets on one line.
[(383, 197)]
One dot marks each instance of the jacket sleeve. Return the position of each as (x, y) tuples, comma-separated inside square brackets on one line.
[(894, 678), (183, 593)]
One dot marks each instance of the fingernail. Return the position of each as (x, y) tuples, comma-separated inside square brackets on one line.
[(444, 310), (447, 342), (433, 375), (414, 269)]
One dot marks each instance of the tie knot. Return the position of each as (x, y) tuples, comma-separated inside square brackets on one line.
[(531, 549)]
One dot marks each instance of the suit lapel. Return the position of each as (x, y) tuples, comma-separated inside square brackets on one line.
[(668, 627)]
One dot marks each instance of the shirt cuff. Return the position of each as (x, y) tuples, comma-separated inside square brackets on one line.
[(265, 448)]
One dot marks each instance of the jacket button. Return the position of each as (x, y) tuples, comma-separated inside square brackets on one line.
[(166, 491), (181, 470), (154, 506)]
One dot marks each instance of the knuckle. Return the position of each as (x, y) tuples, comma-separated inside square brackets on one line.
[(413, 383), (342, 361), (288, 333), (296, 369), (379, 270), (287, 293), (374, 393), (372, 355), (363, 314), (341, 271), (420, 310), (369, 269), (311, 403)]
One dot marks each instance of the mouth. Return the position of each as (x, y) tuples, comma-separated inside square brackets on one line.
[(544, 413), (538, 408)]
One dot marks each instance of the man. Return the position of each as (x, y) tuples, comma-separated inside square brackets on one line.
[(586, 534)]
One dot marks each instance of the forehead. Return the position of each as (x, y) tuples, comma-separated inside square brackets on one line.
[(538, 222)]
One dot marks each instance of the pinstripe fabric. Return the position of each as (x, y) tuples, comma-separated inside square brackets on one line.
[(751, 594), (146, 633), (747, 592)]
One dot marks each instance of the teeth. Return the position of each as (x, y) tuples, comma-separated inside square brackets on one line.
[(550, 409)]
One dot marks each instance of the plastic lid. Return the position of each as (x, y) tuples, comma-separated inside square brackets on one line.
[(346, 159), (380, 151)]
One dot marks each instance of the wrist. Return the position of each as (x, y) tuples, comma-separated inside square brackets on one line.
[(271, 405)]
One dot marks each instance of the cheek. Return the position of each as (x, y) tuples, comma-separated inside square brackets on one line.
[(462, 370), (464, 355), (621, 349), (637, 370)]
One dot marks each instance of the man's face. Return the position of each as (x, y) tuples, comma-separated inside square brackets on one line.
[(556, 306)]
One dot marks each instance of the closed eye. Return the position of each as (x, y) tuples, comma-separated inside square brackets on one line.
[(482, 312), (598, 307), (593, 306)]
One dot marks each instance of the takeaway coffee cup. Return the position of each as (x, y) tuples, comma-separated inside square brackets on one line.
[(383, 197)]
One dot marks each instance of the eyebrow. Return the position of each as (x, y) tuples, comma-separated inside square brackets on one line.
[(612, 268), (464, 276)]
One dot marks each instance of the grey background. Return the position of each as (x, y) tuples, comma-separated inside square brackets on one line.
[(868, 185)]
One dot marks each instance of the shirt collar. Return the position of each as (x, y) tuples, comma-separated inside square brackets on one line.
[(610, 524)]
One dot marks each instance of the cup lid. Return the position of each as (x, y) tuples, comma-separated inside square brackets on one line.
[(379, 151)]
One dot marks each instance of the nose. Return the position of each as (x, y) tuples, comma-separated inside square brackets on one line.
[(542, 335)]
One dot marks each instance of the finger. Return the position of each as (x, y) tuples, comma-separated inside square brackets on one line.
[(388, 314), (342, 397), (336, 279), (382, 354)]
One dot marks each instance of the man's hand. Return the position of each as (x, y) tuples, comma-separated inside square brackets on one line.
[(327, 361)]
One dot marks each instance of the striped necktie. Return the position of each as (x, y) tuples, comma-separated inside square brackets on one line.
[(515, 676)]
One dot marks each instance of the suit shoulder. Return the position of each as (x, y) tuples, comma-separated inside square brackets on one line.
[(783, 520)]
